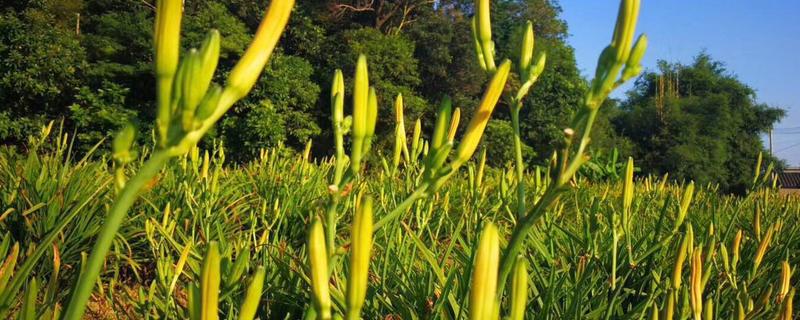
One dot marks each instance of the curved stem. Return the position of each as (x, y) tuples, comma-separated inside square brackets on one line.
[(117, 213), (520, 164), (419, 193)]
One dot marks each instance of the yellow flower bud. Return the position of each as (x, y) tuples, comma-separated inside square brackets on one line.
[(484, 32), (762, 250), (625, 29), (737, 244), (372, 120), (337, 97), (526, 49), (360, 112), (451, 134), (482, 304), (786, 313), (684, 207), (786, 274), (244, 75), (361, 239), (680, 258), (318, 260), (478, 123), (209, 283), (167, 37), (697, 279), (252, 296), (519, 289)]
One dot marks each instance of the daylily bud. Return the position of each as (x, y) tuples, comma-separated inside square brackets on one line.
[(372, 119), (737, 243), (122, 143), (477, 42), (209, 283), (252, 296), (442, 123), (519, 289), (684, 207), (246, 72), (627, 192), (634, 64), (337, 97), (451, 134), (209, 103), (679, 259), (762, 249), (167, 49), (482, 304), (191, 95), (400, 146), (786, 274), (484, 31), (361, 239), (526, 49), (537, 69), (318, 260), (697, 279), (786, 313), (625, 29), (416, 146), (478, 123), (360, 112), (209, 57)]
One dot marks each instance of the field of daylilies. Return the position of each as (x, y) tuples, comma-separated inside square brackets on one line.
[(167, 230)]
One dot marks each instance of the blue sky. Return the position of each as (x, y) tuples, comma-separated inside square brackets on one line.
[(759, 41)]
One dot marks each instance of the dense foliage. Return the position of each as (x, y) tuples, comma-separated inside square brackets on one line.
[(259, 212), (696, 122)]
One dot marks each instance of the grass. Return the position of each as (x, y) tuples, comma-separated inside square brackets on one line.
[(258, 213)]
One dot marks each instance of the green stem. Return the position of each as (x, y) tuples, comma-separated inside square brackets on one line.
[(330, 223), (520, 164), (419, 193), (118, 212), (520, 234)]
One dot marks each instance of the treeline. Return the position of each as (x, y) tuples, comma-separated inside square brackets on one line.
[(88, 62)]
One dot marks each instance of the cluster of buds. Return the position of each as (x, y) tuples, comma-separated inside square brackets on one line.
[(621, 60), (188, 103), (357, 280), (529, 69)]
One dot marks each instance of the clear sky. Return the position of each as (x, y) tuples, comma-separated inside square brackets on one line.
[(759, 41)]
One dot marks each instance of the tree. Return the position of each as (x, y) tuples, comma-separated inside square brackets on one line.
[(697, 122)]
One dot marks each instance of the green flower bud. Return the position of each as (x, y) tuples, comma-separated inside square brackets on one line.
[(477, 42), (167, 36), (442, 123), (625, 29), (337, 97), (360, 112), (372, 120), (526, 49), (484, 32), (318, 260), (209, 104), (633, 66), (253, 295), (121, 146), (361, 239)]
